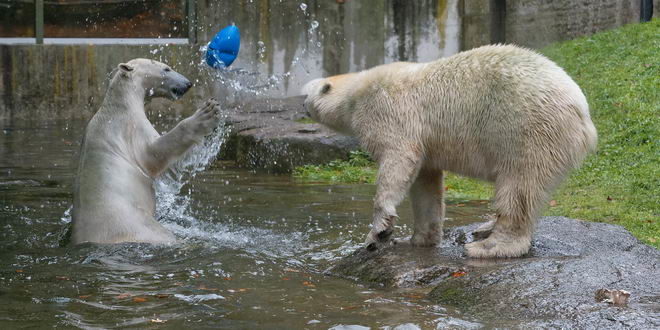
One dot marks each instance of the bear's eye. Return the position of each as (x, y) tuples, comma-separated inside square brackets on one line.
[(168, 69), (325, 88)]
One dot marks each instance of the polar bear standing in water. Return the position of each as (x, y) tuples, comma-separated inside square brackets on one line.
[(122, 153), (498, 113)]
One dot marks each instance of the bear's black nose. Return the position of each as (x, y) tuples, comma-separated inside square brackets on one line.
[(188, 85)]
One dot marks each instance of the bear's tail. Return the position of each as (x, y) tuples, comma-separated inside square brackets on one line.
[(590, 135)]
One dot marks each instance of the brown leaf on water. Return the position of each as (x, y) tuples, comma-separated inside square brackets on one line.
[(162, 295), (291, 270), (139, 299), (62, 278), (19, 270), (309, 284), (347, 308), (285, 278), (553, 203), (242, 290), (460, 204), (203, 287), (458, 273), (122, 295), (85, 296), (227, 278)]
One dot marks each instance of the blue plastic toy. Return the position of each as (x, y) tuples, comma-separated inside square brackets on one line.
[(223, 49)]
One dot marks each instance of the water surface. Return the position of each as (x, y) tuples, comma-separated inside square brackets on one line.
[(253, 248)]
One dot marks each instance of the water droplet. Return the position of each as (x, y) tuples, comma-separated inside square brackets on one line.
[(315, 24), (303, 6)]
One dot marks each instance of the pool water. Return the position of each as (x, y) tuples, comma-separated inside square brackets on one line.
[(252, 250)]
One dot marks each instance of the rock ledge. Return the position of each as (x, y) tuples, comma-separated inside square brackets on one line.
[(553, 286)]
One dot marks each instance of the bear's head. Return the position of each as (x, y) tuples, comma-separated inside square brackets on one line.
[(155, 78), (328, 102)]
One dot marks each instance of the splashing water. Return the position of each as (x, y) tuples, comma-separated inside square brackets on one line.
[(230, 86), (172, 206)]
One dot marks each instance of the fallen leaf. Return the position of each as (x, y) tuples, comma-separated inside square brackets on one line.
[(460, 204), (447, 187), (157, 320), (63, 278), (202, 287), (19, 270), (553, 203), (285, 278), (139, 299), (458, 273), (291, 270), (162, 295), (85, 296), (614, 297), (349, 307), (227, 278), (609, 198), (122, 295), (309, 284)]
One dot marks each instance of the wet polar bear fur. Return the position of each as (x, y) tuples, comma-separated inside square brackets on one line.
[(498, 113), (122, 154)]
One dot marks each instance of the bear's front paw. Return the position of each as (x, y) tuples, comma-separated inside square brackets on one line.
[(378, 239), (205, 119)]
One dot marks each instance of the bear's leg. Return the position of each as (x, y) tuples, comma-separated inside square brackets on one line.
[(396, 173), (517, 203), (171, 146), (428, 208)]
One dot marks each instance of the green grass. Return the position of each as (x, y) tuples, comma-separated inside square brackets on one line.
[(305, 121), (619, 72)]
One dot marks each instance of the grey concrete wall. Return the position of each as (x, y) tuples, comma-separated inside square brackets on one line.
[(56, 81), (283, 49), (538, 23)]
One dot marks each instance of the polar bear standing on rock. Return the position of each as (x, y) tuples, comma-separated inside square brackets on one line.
[(498, 113), (122, 153)]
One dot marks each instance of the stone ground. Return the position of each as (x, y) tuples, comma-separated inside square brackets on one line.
[(277, 135), (554, 286)]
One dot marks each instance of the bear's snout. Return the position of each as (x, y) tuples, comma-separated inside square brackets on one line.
[(181, 88)]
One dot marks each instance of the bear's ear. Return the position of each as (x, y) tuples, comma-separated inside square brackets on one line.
[(326, 88), (125, 68)]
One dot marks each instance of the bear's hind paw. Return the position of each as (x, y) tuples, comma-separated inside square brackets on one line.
[(492, 247)]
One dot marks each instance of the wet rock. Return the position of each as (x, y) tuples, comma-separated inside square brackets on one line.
[(277, 135), (553, 286)]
